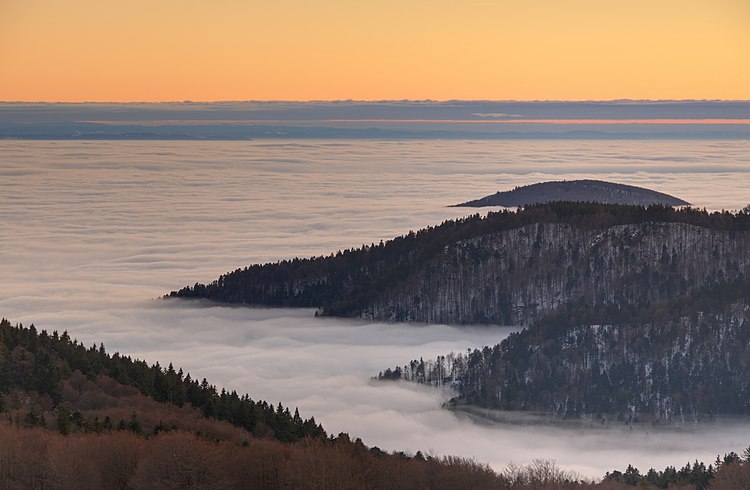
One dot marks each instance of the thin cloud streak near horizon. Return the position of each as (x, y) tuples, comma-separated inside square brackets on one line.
[(436, 121)]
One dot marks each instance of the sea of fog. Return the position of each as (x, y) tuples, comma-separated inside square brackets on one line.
[(94, 232)]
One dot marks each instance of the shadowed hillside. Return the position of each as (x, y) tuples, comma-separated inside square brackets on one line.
[(611, 365), (509, 268)]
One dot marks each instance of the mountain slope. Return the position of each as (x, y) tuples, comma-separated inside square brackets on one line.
[(676, 360), (507, 268), (66, 377), (77, 417)]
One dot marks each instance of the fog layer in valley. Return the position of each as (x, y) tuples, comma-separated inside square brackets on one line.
[(93, 232)]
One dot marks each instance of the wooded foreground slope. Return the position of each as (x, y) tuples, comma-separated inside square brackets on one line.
[(510, 268), (77, 417), (51, 379)]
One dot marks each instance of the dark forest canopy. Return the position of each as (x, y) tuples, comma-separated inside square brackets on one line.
[(650, 364), (401, 278), (576, 191), (43, 363)]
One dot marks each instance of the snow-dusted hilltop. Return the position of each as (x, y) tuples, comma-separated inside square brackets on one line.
[(576, 191)]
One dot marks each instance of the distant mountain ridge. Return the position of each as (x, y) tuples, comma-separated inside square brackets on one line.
[(576, 191)]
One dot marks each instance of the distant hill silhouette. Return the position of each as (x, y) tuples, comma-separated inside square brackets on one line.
[(576, 191)]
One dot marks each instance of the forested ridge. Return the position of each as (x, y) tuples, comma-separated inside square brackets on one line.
[(510, 267), (48, 365), (676, 360), (78, 417)]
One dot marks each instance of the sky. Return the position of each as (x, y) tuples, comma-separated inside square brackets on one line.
[(170, 50)]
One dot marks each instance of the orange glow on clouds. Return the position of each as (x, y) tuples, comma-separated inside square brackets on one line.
[(77, 50)]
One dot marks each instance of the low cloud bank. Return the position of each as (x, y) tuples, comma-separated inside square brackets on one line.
[(94, 231)]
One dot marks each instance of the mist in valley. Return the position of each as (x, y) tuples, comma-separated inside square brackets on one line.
[(95, 232)]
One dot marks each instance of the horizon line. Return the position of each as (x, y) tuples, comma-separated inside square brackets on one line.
[(312, 101), (574, 121)]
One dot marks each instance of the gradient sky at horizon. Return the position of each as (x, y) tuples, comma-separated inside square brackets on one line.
[(77, 50)]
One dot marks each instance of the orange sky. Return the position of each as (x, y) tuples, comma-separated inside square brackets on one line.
[(152, 50)]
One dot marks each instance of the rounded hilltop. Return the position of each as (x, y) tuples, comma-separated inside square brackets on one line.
[(576, 191)]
